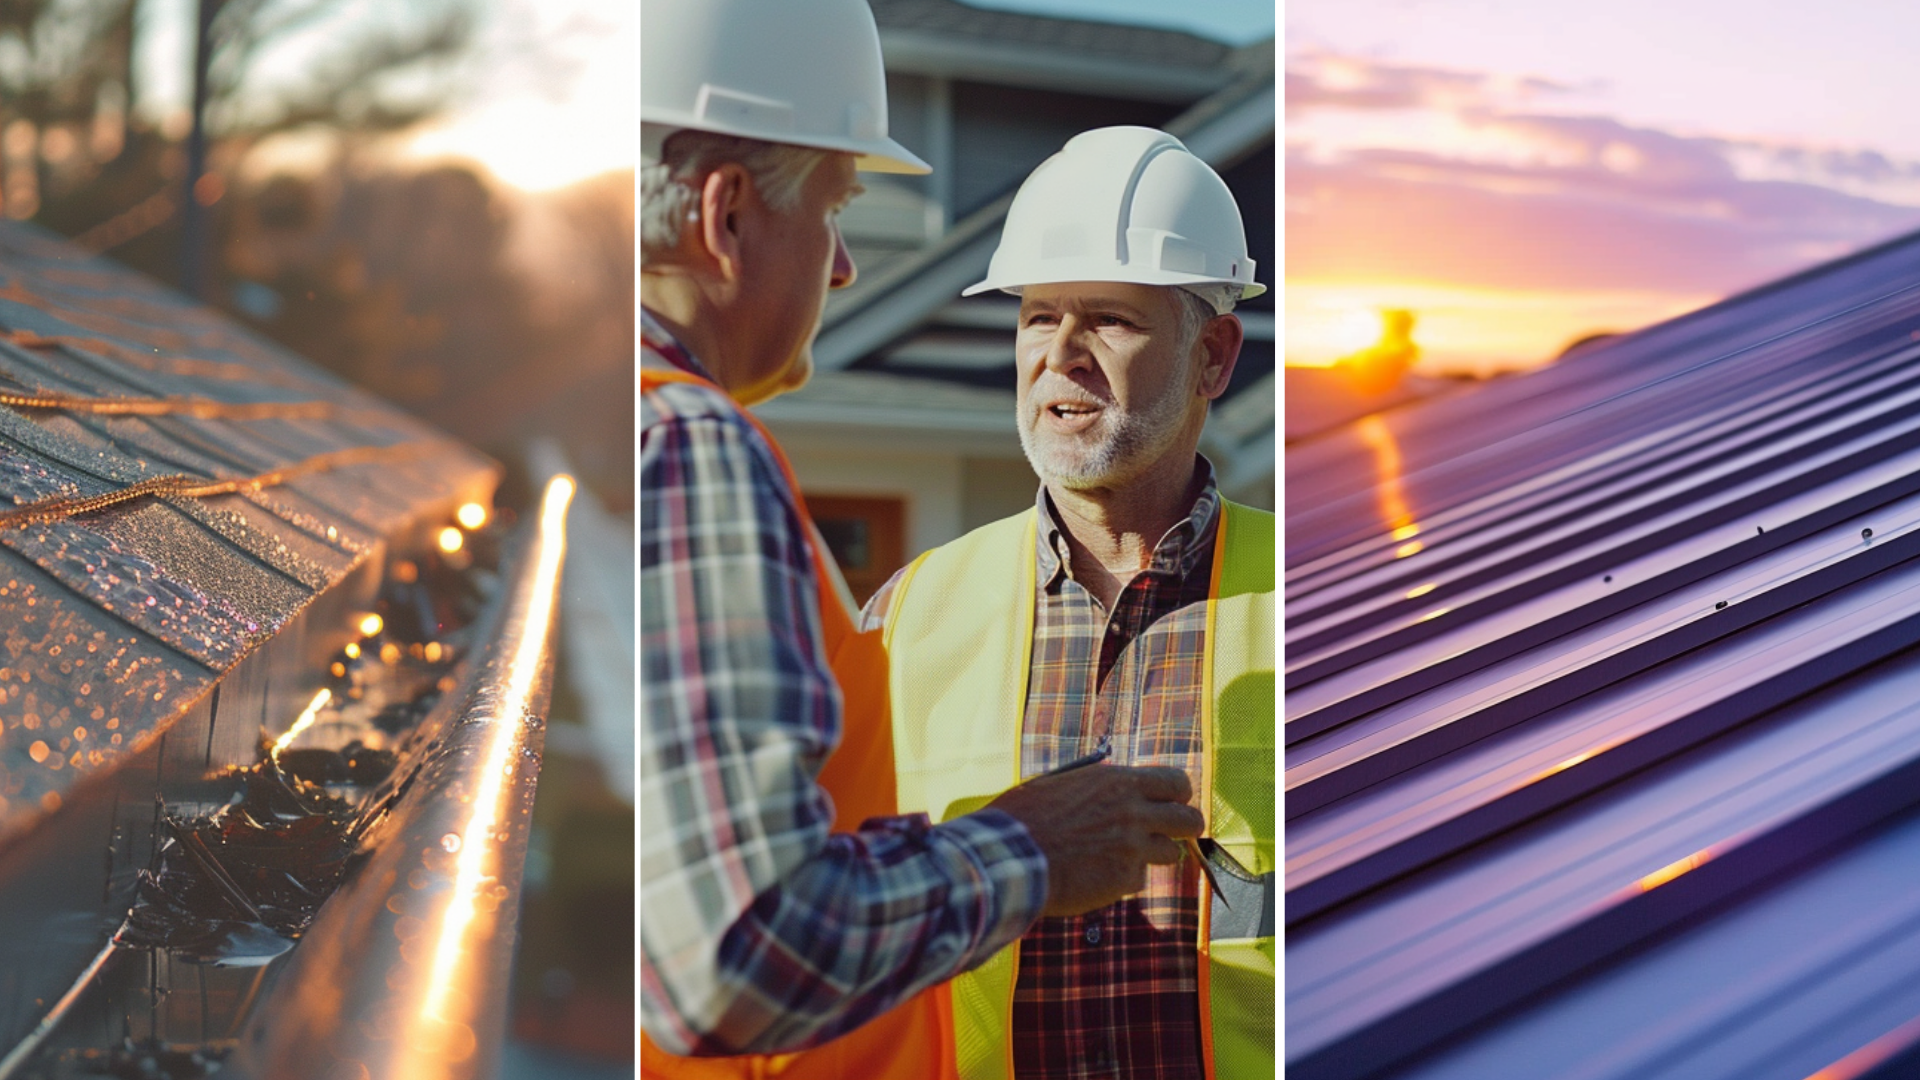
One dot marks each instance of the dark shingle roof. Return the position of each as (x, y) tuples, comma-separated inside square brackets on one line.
[(131, 613)]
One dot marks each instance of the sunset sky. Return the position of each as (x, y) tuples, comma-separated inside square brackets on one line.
[(561, 101), (1522, 173), (550, 89)]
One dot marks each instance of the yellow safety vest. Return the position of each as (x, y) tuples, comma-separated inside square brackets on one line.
[(959, 638)]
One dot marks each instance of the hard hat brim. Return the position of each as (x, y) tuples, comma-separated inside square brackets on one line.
[(1132, 275), (882, 155), (891, 157)]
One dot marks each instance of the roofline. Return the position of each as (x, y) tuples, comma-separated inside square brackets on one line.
[(1006, 63), (982, 431), (1747, 295), (1222, 130)]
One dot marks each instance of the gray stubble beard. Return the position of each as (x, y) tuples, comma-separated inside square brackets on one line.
[(1126, 437)]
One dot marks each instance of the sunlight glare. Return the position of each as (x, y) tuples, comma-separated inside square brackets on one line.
[(443, 1028), (303, 723)]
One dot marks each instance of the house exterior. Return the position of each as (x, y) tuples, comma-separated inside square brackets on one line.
[(905, 438)]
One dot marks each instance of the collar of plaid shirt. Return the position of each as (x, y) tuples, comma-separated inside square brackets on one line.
[(1179, 550), (657, 340), (1115, 992)]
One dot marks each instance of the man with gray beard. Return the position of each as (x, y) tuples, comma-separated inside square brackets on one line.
[(1126, 619)]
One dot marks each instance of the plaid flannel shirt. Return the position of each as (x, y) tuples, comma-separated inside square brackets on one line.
[(1116, 992), (760, 930)]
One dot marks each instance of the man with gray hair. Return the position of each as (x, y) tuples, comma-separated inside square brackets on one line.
[(1128, 616), (784, 902)]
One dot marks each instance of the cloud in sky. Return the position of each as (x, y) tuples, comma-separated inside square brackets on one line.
[(1322, 80), (1434, 179)]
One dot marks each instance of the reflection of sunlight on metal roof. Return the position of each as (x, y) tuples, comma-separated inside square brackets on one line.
[(1673, 870), (1394, 512)]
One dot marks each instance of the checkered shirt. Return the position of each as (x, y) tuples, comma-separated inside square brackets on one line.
[(760, 930), (1114, 993)]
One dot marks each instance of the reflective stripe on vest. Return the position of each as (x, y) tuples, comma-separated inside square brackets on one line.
[(960, 632), (913, 1041)]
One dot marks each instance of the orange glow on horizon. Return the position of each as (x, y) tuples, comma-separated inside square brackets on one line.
[(1465, 329)]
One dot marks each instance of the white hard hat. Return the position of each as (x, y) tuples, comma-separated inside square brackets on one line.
[(1124, 204), (803, 72)]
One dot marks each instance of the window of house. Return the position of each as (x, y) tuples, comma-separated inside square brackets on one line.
[(867, 536)]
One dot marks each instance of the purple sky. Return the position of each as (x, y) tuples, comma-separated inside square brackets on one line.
[(1521, 174)]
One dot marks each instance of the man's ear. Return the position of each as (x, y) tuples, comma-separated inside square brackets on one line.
[(723, 197), (1220, 341)]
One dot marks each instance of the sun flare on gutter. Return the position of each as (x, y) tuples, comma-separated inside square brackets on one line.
[(306, 721), (440, 1033)]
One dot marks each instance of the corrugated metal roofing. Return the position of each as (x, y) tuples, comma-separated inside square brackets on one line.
[(1603, 750)]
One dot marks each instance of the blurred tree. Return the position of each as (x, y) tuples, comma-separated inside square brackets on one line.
[(379, 76), (394, 280), (412, 284), (77, 155), (66, 72), (349, 89), (494, 314)]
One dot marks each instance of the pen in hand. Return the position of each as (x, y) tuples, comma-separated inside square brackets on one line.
[(1100, 753)]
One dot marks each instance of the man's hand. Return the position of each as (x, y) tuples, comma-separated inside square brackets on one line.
[(1100, 826)]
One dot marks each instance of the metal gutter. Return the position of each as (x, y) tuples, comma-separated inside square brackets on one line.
[(404, 973)]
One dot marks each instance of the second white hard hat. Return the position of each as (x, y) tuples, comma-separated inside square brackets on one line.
[(1124, 204), (803, 72)]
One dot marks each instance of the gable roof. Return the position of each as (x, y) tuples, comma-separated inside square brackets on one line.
[(1222, 129), (947, 38)]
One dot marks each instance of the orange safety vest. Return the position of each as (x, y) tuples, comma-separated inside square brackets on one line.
[(913, 1041)]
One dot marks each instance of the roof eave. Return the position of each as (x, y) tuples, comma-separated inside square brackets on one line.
[(1222, 130), (1002, 63)]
